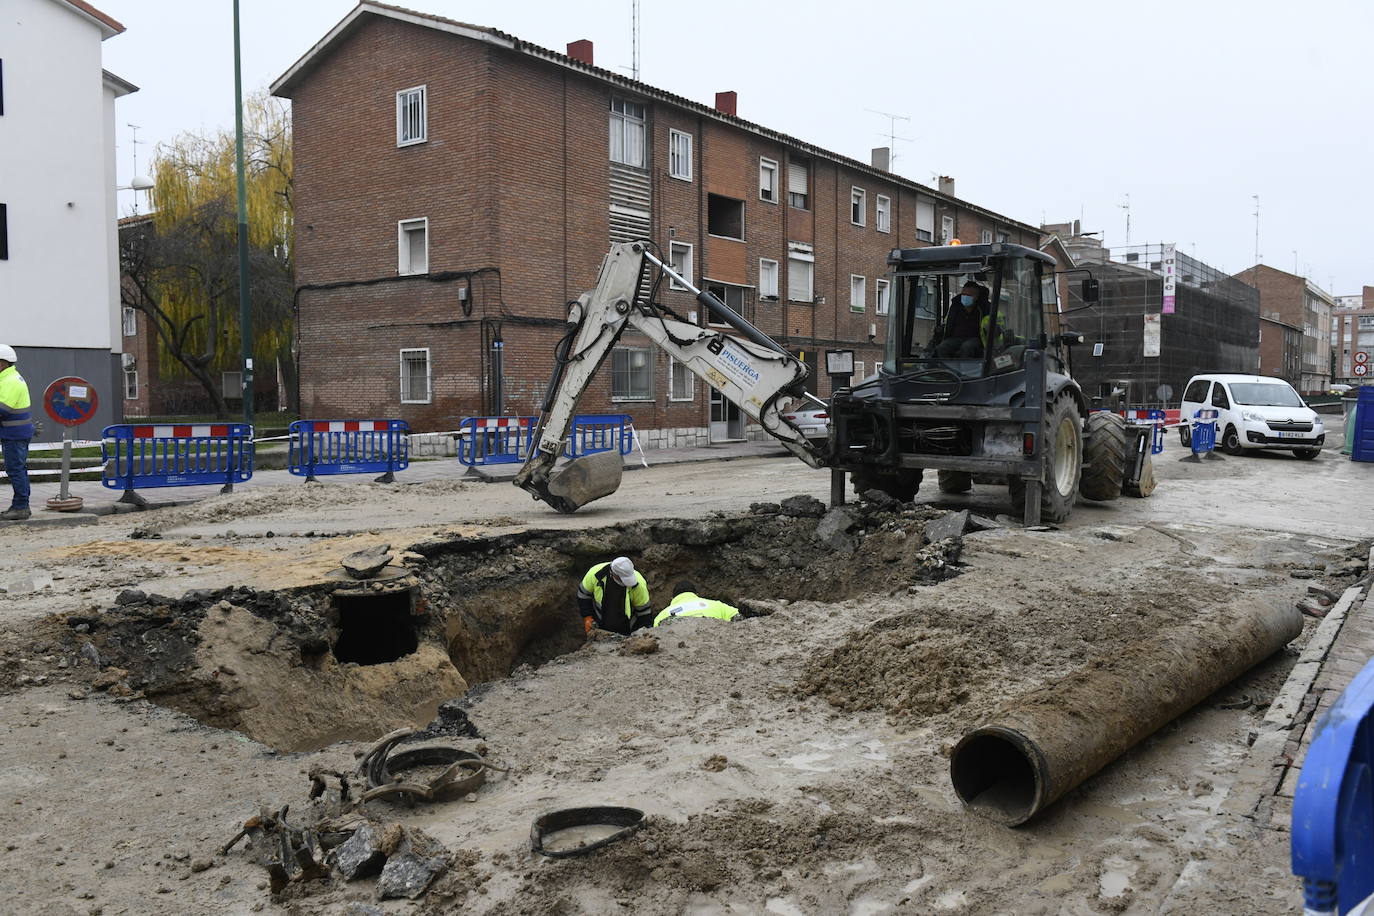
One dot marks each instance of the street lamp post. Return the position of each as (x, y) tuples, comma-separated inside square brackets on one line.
[(245, 316)]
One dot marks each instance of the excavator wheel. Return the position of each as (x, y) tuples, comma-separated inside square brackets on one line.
[(901, 485), (1104, 463), (955, 481), (1062, 451)]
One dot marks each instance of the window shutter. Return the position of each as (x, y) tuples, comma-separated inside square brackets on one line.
[(925, 216), (796, 178)]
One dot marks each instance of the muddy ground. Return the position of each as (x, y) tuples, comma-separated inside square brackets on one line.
[(177, 678)]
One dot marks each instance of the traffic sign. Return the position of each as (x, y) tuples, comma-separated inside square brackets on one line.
[(1361, 357), (71, 401), (1361, 369)]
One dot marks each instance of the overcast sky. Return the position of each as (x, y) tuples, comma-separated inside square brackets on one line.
[(1043, 111)]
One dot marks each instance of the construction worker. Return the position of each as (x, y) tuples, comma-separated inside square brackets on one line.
[(687, 603), (614, 597), (960, 337), (16, 429)]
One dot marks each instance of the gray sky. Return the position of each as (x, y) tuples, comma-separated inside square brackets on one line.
[(1040, 110)]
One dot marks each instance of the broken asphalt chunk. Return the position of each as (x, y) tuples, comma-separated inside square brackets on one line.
[(368, 562), (361, 854), (950, 525)]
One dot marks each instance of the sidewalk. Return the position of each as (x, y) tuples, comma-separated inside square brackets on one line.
[(102, 501)]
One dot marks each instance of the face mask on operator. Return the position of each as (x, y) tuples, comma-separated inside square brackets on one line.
[(965, 300)]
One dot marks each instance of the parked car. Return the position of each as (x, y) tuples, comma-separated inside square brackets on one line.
[(1253, 412), (813, 421), (1340, 388)]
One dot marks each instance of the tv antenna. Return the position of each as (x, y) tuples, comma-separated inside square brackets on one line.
[(134, 143), (1257, 212), (634, 41), (891, 134), (1127, 207)]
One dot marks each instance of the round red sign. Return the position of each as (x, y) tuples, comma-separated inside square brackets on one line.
[(71, 401)]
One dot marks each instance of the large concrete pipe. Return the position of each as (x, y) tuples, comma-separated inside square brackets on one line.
[(1036, 748)]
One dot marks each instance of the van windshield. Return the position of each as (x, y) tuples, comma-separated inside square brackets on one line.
[(1262, 394)]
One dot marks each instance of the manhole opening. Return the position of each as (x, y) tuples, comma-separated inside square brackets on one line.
[(375, 627)]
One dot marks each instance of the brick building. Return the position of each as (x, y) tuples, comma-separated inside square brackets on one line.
[(1299, 302), (1280, 350), (1352, 332), (455, 186)]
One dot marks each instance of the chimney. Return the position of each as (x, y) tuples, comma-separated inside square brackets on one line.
[(581, 50), (726, 102), (882, 158), (946, 185)]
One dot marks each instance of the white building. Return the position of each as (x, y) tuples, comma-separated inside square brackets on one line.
[(59, 266)]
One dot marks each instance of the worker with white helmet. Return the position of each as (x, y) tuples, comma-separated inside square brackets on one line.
[(16, 429), (614, 596)]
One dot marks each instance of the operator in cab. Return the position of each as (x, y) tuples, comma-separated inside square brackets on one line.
[(963, 330), (687, 603), (614, 597)]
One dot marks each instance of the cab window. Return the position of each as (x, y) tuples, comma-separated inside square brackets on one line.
[(1197, 392), (1219, 398)]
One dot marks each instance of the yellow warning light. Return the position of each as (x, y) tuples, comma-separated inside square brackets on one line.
[(955, 242)]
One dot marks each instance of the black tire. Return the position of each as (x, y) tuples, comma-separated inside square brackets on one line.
[(1185, 436), (1104, 465), (955, 481), (1143, 487), (1307, 454), (1230, 441), (1060, 479), (901, 485)]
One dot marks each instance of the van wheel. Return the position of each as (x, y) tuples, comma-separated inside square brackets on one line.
[(1230, 443), (1307, 454), (1185, 436)]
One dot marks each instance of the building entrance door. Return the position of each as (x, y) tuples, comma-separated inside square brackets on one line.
[(727, 420)]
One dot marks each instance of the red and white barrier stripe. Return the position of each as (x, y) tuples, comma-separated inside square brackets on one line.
[(350, 426), (181, 432), (502, 422)]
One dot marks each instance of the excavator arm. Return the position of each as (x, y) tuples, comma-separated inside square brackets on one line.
[(751, 370)]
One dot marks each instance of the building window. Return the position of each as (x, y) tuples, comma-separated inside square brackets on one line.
[(130, 321), (946, 229), (883, 214), (680, 257), (858, 292), (412, 121), (130, 384), (801, 272), (725, 216), (731, 296), (412, 243), (796, 184), (627, 133), (882, 297), (632, 374), (231, 385), (415, 376), (679, 381), (925, 220), (858, 203), (986, 237), (858, 370), (1001, 236), (768, 279), (680, 155), (768, 180)]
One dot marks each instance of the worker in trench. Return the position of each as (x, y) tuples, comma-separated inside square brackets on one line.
[(614, 596), (687, 603)]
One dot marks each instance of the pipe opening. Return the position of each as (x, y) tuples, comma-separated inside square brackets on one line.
[(375, 627), (994, 777)]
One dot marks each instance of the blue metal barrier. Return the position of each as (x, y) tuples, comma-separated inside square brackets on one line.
[(601, 432), (1362, 442), (175, 455), (494, 440), (349, 447), (1333, 807), (1202, 436)]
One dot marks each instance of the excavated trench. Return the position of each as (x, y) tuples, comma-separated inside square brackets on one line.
[(300, 669)]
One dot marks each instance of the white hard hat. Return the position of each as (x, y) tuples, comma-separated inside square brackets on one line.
[(7, 354), (624, 571)]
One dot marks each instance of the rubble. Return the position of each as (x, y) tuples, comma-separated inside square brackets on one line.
[(409, 870), (952, 525), (368, 562)]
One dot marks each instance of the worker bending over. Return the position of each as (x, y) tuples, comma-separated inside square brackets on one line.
[(687, 603), (614, 597)]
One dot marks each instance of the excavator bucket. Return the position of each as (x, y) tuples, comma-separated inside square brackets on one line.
[(584, 479)]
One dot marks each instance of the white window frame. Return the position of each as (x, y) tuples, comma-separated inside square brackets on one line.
[(679, 148), (861, 287), (925, 231), (623, 121), (677, 370), (131, 392), (766, 289), (986, 237), (129, 321), (429, 376), (882, 213), (648, 395), (858, 375), (769, 167), (858, 201), (405, 260), (946, 229), (799, 176), (801, 254), (882, 297), (686, 266), (1001, 237), (401, 98)]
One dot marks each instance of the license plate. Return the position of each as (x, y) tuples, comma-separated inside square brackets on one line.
[(1292, 435)]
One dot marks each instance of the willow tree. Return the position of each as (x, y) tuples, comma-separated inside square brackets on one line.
[(181, 267)]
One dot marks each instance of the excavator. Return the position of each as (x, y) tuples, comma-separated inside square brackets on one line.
[(999, 409)]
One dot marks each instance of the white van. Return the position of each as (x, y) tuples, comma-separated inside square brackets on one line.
[(1253, 411)]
